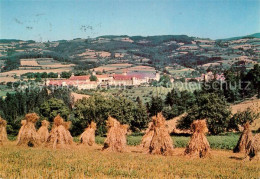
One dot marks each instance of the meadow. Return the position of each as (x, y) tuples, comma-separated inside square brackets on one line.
[(91, 162), (227, 141), (223, 141)]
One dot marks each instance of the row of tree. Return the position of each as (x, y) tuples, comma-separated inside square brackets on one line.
[(207, 103), (238, 84), (59, 101)]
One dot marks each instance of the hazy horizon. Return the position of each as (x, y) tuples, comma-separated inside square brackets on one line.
[(66, 20)]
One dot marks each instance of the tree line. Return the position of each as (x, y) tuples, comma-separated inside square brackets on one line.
[(207, 103)]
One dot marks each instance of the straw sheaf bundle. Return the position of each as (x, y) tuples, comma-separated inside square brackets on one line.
[(3, 134), (88, 136), (59, 136), (27, 135), (147, 138), (23, 122), (67, 126), (198, 145), (43, 131), (244, 139), (116, 137), (161, 142), (253, 148), (31, 117)]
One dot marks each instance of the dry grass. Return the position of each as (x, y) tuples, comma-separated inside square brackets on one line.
[(29, 63), (27, 135), (60, 136), (88, 136), (111, 67), (161, 142), (171, 125), (116, 136), (253, 148), (198, 145), (92, 163), (8, 79), (3, 134), (104, 54), (244, 139), (142, 68), (254, 105), (147, 138), (77, 96), (43, 131)]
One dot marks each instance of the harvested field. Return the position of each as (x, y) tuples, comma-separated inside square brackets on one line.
[(147, 69), (89, 53), (92, 163), (20, 72), (25, 62), (252, 104), (7, 79), (111, 67), (142, 69), (77, 96), (104, 54), (42, 63)]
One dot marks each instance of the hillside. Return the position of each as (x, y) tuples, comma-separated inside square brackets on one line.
[(255, 35), (253, 104), (166, 53)]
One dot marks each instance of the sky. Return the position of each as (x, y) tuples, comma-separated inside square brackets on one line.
[(44, 20)]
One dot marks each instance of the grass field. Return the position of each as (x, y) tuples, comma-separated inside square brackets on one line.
[(83, 162), (227, 142)]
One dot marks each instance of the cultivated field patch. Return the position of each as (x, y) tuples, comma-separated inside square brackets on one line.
[(90, 162), (26, 62), (111, 67)]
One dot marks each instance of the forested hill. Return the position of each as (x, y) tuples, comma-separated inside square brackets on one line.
[(157, 51)]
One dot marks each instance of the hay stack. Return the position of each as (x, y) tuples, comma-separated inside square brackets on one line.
[(161, 142), (3, 134), (147, 138), (67, 126), (43, 131), (116, 136), (23, 122), (244, 139), (60, 136), (198, 145), (27, 135), (88, 136), (253, 148)]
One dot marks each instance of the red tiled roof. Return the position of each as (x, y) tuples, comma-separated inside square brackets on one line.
[(129, 76), (56, 82), (70, 82), (142, 75), (80, 78), (102, 76), (122, 77)]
